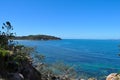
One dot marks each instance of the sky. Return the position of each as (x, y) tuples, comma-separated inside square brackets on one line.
[(68, 19)]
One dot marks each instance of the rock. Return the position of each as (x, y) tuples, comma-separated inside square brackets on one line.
[(81, 79), (30, 73), (92, 79), (15, 76), (113, 76)]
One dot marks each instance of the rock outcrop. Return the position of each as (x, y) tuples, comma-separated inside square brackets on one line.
[(26, 72), (30, 73)]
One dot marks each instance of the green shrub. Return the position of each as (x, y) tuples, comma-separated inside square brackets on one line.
[(3, 52)]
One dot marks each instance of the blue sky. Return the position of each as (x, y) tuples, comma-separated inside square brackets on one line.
[(81, 19)]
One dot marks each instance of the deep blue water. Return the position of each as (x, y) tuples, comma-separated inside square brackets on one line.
[(89, 56)]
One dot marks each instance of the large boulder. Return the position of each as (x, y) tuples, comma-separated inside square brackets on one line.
[(113, 76), (30, 73)]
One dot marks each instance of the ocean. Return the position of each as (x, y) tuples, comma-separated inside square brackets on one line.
[(91, 57)]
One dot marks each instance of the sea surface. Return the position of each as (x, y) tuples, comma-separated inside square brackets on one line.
[(90, 57)]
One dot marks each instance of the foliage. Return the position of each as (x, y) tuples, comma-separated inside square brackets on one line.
[(6, 35), (63, 69), (4, 52)]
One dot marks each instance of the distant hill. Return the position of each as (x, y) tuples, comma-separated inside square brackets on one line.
[(37, 37)]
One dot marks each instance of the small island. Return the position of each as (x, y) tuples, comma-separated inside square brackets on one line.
[(37, 37)]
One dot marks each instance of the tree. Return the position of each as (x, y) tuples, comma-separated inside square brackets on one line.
[(6, 35)]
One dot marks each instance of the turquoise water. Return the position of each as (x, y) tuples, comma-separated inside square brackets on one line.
[(92, 57)]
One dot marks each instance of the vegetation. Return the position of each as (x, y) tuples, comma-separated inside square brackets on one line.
[(57, 70), (37, 37), (14, 59), (5, 35)]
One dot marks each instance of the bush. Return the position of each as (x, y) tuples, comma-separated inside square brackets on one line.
[(4, 53)]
